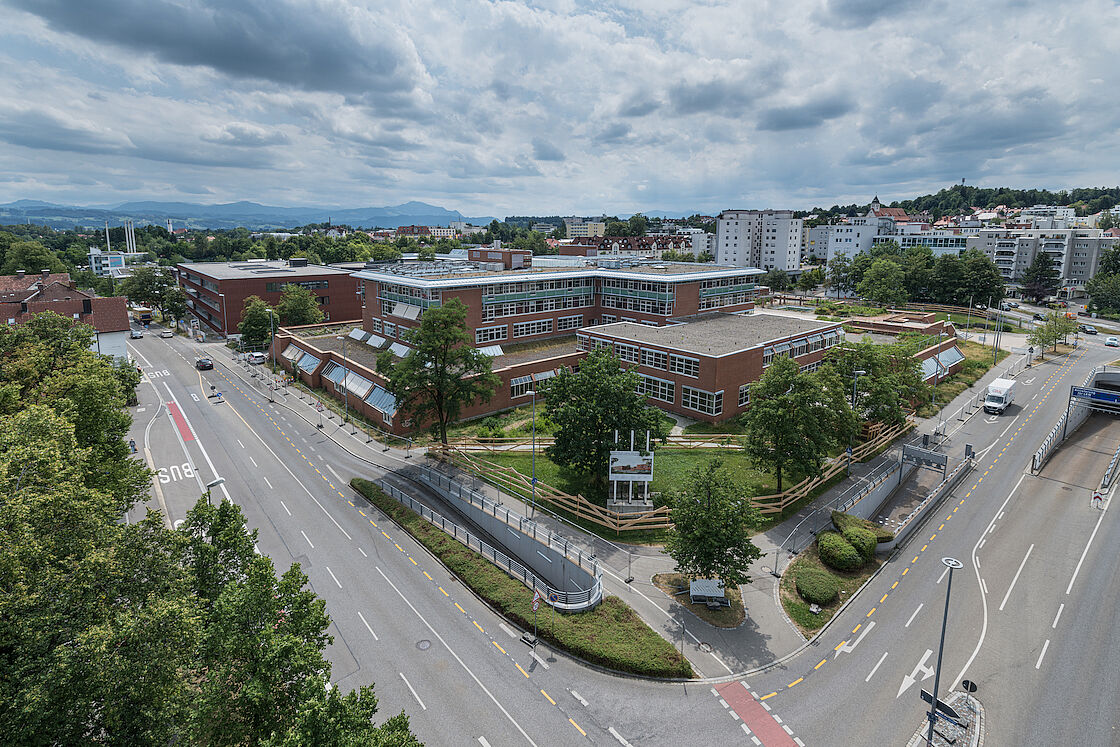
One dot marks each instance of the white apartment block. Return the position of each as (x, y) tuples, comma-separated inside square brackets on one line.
[(767, 239), (814, 243), (578, 228), (439, 232), (1050, 213), (1076, 251)]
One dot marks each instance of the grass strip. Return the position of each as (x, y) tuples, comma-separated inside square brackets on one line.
[(612, 635)]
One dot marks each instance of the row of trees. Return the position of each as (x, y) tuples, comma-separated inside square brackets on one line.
[(888, 276), (259, 319), (116, 633)]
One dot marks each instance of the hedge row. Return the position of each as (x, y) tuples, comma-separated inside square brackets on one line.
[(843, 521), (836, 552), (863, 540), (816, 585), (612, 635)]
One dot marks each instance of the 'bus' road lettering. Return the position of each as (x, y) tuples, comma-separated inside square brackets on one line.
[(175, 472)]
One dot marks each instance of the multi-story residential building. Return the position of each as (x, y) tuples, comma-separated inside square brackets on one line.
[(441, 232), (414, 231), (1048, 213), (640, 246), (216, 291), (767, 239), (545, 228), (578, 228), (703, 242), (102, 263), (1076, 251), (23, 295), (704, 367), (815, 243)]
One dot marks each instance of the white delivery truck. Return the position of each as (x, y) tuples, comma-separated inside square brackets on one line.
[(1001, 393)]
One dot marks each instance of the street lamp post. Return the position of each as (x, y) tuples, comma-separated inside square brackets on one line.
[(533, 505), (855, 380), (345, 389), (225, 321), (211, 485), (952, 564)]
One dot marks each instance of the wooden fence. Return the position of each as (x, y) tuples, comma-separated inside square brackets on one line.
[(518, 443), (513, 482)]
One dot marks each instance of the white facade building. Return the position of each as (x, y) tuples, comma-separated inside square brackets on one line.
[(767, 239), (1076, 251)]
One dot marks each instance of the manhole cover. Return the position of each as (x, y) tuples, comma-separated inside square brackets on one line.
[(424, 644), (706, 647), (1066, 487)]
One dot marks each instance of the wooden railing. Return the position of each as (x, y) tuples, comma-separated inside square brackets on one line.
[(515, 483), (517, 443)]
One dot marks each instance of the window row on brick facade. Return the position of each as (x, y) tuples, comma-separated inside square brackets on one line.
[(658, 389), (535, 306), (709, 403), (490, 334), (538, 327)]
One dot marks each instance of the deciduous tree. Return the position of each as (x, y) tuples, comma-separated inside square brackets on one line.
[(883, 283), (1041, 278), (298, 306), (258, 322)]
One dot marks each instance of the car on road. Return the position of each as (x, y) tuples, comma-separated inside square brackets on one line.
[(1112, 342), (257, 358), (203, 364), (1088, 329), (136, 334), (167, 333), (1010, 305), (1039, 317)]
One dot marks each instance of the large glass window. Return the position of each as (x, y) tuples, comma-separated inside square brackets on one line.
[(708, 403), (685, 366), (490, 334), (659, 389), (526, 329), (655, 358)]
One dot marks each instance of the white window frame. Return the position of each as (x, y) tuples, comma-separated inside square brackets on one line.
[(490, 334), (684, 365), (651, 358)]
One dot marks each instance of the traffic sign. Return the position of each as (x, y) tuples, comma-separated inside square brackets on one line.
[(319, 406), (536, 603), (942, 706)]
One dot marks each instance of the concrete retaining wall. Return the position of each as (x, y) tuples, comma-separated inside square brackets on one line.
[(930, 502)]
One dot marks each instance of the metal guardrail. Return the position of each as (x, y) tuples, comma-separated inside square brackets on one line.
[(944, 486), (1110, 473), (512, 519), (571, 601), (1061, 429)]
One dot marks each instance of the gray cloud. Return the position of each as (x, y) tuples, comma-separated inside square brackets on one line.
[(638, 106), (857, 13), (43, 130), (612, 134), (315, 49), (728, 97), (245, 135), (802, 116), (546, 151)]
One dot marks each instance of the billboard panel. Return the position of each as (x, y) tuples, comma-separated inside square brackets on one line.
[(631, 466)]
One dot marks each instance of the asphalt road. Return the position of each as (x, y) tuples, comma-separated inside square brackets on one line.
[(399, 619)]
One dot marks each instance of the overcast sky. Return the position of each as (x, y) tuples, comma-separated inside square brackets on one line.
[(554, 107)]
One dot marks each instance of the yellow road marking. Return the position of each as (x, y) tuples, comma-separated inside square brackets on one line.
[(883, 599), (399, 547), (413, 561), (856, 628), (372, 522), (838, 645), (943, 526), (771, 695), (521, 670), (872, 612), (480, 630), (363, 513), (932, 536), (924, 547), (444, 592), (799, 679), (386, 535), (821, 663), (340, 495), (351, 503), (915, 560), (894, 585), (549, 697), (429, 577), (573, 723), (460, 608), (498, 646)]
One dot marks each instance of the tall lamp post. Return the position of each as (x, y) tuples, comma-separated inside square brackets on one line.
[(533, 505), (953, 565), (211, 485), (855, 380), (225, 322)]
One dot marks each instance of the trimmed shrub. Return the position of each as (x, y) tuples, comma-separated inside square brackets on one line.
[(863, 540), (842, 521), (836, 552), (816, 585)]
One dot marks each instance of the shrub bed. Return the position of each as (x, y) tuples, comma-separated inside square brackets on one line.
[(836, 552), (842, 521), (816, 585), (612, 635), (863, 540)]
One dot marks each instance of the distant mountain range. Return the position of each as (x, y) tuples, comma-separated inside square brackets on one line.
[(229, 215)]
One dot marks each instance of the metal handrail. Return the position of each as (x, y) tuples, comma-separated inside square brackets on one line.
[(571, 601)]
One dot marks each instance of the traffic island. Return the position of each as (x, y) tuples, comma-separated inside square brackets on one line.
[(675, 585), (960, 722), (811, 616), (611, 635)]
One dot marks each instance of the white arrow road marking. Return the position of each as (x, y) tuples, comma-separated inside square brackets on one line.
[(847, 648), (910, 679)]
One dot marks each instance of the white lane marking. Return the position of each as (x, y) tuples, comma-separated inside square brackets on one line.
[(363, 552), (943, 574), (1086, 550), (307, 538), (578, 697), (981, 547), (301, 438), (984, 586), (508, 632), (336, 475), (849, 646), (875, 668), (413, 691), (1016, 578), (1045, 646), (619, 737), (461, 662), (285, 505), (483, 742), (367, 626), (239, 443), (198, 440), (333, 576), (254, 461), (538, 659), (984, 597), (923, 667), (914, 615), (1061, 607), (266, 482), (312, 448)]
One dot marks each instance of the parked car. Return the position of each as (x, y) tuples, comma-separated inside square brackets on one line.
[(981, 306), (1039, 317), (203, 364), (1088, 329), (136, 334), (1012, 305), (257, 358), (1112, 342), (167, 333)]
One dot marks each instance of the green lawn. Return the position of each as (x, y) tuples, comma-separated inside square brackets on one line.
[(798, 609)]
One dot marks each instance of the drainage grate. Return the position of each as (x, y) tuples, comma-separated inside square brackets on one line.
[(423, 644)]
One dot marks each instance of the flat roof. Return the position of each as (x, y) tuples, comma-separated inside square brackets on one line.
[(457, 274), (257, 269), (714, 334)]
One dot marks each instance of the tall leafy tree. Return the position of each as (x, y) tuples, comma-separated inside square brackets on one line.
[(713, 518), (1110, 261), (32, 257), (258, 322), (776, 280), (588, 406), (150, 286), (1104, 292), (840, 274), (795, 419), (443, 374), (890, 383), (1041, 278), (298, 306), (882, 284)]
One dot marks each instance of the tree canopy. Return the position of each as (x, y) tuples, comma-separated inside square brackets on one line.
[(298, 306), (443, 374), (1041, 278), (258, 322)]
